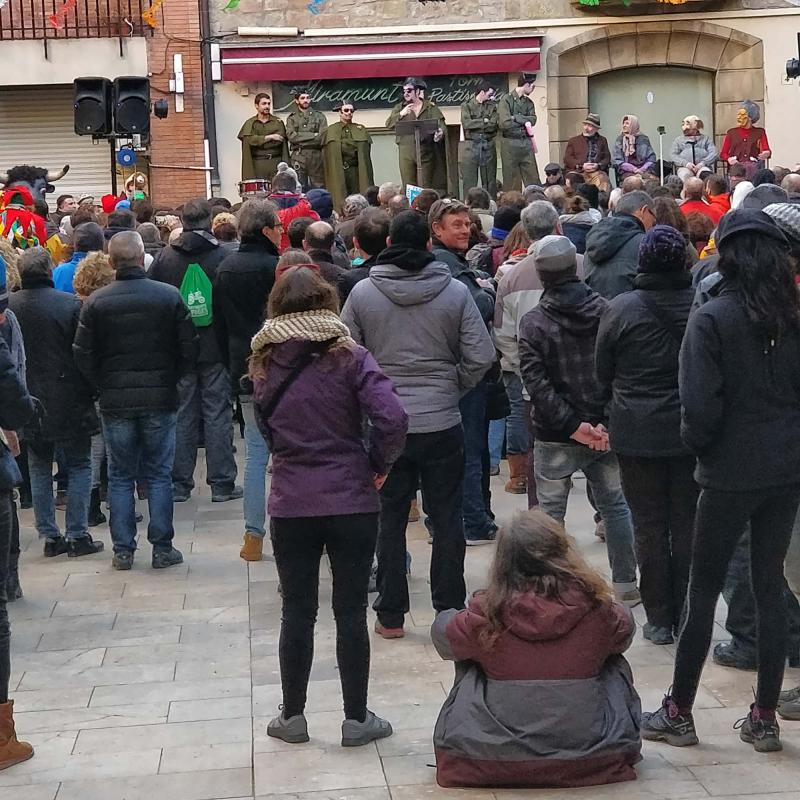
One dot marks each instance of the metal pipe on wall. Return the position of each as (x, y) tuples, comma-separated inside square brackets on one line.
[(209, 110)]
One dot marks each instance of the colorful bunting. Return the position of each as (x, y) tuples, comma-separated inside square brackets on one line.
[(232, 5), (149, 14), (57, 19)]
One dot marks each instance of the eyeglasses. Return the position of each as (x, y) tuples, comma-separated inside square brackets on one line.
[(347, 110)]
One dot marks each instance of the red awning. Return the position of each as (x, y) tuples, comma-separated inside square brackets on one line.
[(305, 62)]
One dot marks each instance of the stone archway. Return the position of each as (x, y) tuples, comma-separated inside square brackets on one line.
[(735, 58)]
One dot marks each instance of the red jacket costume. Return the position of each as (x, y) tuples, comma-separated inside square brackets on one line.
[(291, 206), (744, 143), (18, 225)]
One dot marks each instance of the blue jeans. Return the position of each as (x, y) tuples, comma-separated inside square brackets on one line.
[(256, 458), (205, 394), (517, 439), (477, 520), (555, 463), (497, 435), (74, 457), (140, 447)]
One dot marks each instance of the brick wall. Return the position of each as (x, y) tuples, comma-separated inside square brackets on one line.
[(177, 140)]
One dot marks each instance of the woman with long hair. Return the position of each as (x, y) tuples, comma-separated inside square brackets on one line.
[(313, 387), (542, 696), (739, 386)]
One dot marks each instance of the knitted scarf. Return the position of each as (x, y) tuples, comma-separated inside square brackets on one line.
[(310, 326), (629, 139)]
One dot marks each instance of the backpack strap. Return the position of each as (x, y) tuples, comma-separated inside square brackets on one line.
[(661, 316)]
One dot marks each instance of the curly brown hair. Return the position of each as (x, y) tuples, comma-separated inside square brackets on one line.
[(10, 255), (92, 273), (535, 554)]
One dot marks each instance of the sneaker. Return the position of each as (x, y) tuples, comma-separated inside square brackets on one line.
[(657, 635), (372, 586), (61, 499), (630, 599), (789, 704), (356, 734), (13, 588), (763, 734), (96, 517), (494, 469), (180, 496), (123, 560), (476, 541), (730, 654), (389, 633), (223, 496), (600, 530), (789, 696), (55, 547), (85, 546), (293, 730), (166, 558), (669, 725), (138, 517)]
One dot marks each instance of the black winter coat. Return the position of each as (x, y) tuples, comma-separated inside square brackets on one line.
[(556, 354), (740, 393), (637, 366), (241, 290), (169, 266), (48, 320), (16, 408), (135, 340), (612, 255)]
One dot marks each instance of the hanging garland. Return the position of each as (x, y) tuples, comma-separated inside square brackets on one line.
[(57, 19), (232, 5), (149, 14), (3, 4)]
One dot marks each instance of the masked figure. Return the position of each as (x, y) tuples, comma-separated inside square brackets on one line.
[(693, 153), (633, 153), (745, 144)]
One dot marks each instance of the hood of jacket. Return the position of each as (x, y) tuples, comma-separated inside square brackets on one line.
[(574, 307), (533, 618), (406, 288), (609, 236), (195, 242)]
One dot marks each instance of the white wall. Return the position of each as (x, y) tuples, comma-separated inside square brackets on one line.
[(24, 63)]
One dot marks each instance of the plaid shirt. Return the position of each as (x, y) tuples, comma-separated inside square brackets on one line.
[(556, 348)]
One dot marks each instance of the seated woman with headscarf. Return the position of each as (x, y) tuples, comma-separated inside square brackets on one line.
[(633, 153)]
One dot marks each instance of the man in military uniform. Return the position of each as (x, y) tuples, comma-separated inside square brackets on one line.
[(346, 149), (304, 128), (517, 144), (479, 148), (263, 139), (433, 155)]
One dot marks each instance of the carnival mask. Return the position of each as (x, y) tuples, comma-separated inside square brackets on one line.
[(742, 118), (691, 125)]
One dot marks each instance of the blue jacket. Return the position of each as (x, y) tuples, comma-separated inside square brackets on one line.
[(64, 274)]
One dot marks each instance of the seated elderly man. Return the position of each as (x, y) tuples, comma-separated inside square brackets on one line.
[(588, 154), (693, 153)]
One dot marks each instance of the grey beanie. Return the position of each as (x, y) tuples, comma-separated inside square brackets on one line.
[(764, 195), (787, 217), (556, 260)]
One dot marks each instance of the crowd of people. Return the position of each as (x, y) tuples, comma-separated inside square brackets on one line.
[(647, 338)]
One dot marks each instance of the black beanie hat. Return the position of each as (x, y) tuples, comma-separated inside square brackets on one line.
[(506, 217), (662, 249)]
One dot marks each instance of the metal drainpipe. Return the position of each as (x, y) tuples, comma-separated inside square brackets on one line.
[(209, 111)]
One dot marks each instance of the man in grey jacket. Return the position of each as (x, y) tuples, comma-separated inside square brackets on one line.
[(425, 331)]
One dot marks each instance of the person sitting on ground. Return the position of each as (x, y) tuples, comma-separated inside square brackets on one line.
[(527, 683), (693, 200), (313, 385)]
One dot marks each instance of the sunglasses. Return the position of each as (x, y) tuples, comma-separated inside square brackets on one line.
[(347, 110), (552, 172), (408, 90)]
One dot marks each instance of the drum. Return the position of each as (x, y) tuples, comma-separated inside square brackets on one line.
[(253, 186)]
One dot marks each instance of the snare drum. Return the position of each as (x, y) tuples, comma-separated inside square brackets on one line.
[(253, 186)]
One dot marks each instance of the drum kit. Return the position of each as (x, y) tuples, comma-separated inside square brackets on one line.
[(254, 187)]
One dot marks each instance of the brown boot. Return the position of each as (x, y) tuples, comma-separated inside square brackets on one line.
[(11, 751), (413, 511), (252, 547), (518, 467)]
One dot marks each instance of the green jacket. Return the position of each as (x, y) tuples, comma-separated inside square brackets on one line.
[(305, 129), (252, 135), (479, 120), (332, 153), (514, 111), (429, 110)]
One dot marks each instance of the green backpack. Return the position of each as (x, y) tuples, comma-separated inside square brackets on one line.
[(196, 293)]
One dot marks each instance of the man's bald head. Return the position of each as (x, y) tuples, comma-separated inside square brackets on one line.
[(791, 183), (318, 236), (693, 189)]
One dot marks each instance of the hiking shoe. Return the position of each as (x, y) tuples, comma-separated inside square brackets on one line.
[(85, 546), (223, 496), (293, 730), (123, 560), (253, 547), (730, 654), (55, 547), (476, 541), (96, 517), (356, 734), (669, 725), (389, 633), (789, 696), (657, 635), (166, 558), (788, 704), (763, 734)]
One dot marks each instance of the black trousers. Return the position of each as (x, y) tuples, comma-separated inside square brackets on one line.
[(6, 532), (436, 461), (721, 521), (297, 544), (662, 496)]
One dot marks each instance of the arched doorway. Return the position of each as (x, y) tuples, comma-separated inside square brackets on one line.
[(735, 60)]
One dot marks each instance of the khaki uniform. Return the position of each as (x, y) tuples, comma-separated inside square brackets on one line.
[(260, 159), (432, 154), (478, 151), (304, 130), (519, 160), (348, 162)]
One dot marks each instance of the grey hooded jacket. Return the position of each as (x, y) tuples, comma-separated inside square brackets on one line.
[(424, 330)]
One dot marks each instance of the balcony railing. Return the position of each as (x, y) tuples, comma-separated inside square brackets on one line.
[(73, 19)]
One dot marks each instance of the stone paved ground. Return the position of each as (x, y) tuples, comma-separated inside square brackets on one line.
[(151, 685)]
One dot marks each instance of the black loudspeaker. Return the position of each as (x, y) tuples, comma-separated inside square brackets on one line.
[(131, 106), (92, 106)]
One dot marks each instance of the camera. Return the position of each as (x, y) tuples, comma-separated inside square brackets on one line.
[(793, 64), (661, 130)]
